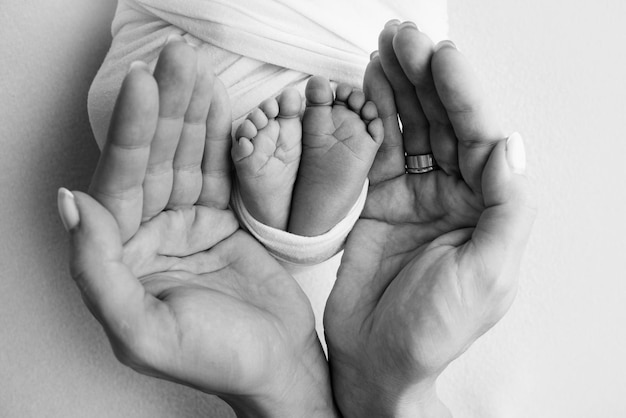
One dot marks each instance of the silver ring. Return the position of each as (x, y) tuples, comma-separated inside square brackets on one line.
[(420, 163)]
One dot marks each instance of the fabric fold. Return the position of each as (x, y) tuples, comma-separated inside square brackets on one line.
[(257, 47), (296, 249)]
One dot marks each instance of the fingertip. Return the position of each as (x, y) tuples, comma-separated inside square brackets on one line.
[(136, 110), (503, 179), (68, 211), (445, 44), (392, 22), (496, 176), (506, 163), (516, 153), (97, 240), (408, 24)]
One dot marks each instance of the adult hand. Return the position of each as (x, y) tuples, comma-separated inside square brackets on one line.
[(432, 263), (181, 292)]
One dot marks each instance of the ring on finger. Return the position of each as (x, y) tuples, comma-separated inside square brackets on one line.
[(420, 163)]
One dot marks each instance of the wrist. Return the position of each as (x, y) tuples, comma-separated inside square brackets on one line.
[(361, 393), (421, 402), (303, 391)]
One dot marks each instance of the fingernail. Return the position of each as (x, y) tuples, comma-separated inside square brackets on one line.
[(137, 65), (68, 210), (446, 44), (374, 55), (516, 153)]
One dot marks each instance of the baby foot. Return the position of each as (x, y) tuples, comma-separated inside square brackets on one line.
[(340, 138), (266, 154)]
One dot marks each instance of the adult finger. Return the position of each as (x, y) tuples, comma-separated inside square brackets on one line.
[(415, 129), (187, 182), (110, 291), (474, 121), (175, 74), (414, 51), (389, 160), (491, 258), (216, 164), (117, 182)]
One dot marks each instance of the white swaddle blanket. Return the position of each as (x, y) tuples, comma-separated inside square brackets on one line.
[(258, 46)]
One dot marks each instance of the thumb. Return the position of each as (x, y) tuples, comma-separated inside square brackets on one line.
[(500, 237), (110, 290)]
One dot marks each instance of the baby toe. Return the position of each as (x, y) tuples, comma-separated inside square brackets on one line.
[(369, 111), (270, 108), (289, 103), (376, 130), (356, 100), (343, 93), (318, 92), (247, 129), (241, 149), (258, 118)]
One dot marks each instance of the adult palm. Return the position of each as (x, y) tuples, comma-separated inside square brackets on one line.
[(431, 264), (181, 292)]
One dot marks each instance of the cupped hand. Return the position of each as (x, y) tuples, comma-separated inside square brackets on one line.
[(432, 263), (181, 292)]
